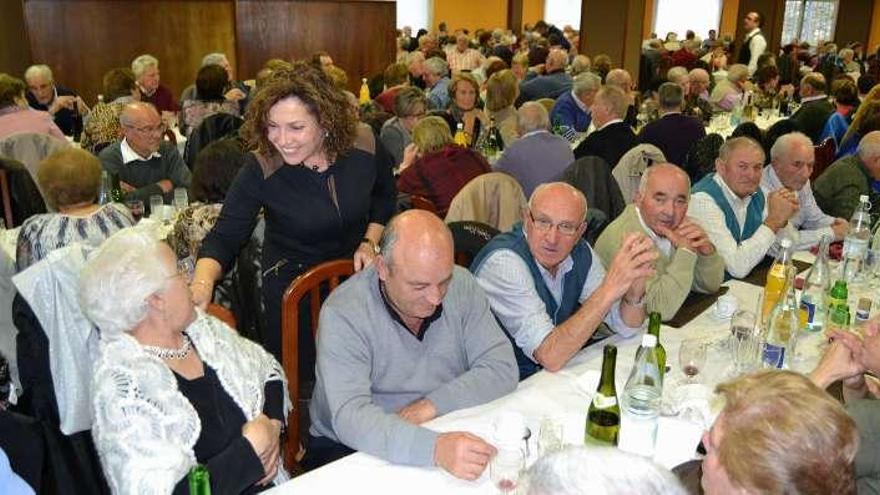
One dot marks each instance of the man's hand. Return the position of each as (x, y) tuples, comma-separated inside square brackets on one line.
[(126, 187), (62, 102), (838, 363), (410, 155), (166, 185), (782, 204), (634, 260), (696, 236), (418, 412), (840, 228), (462, 454), (235, 94)]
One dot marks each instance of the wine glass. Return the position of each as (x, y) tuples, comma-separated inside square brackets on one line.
[(156, 202), (505, 468), (181, 199), (692, 358)]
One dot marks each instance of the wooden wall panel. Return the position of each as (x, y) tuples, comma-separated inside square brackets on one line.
[(533, 11), (851, 25), (470, 14), (83, 39), (615, 29), (15, 51), (359, 35)]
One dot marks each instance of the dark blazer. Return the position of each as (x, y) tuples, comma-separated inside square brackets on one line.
[(811, 117), (609, 143), (674, 134)]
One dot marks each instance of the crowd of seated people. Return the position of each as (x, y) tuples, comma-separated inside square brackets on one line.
[(313, 175)]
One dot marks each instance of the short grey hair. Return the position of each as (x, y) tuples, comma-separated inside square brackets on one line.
[(437, 66), (39, 70), (646, 176), (580, 64), (846, 53), (532, 116), (142, 63), (214, 59), (582, 470), (617, 78), (584, 82), (120, 276), (670, 96), (737, 73), (786, 142), (869, 146), (736, 143), (675, 74)]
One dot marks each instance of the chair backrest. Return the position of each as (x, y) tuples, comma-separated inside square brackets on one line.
[(221, 314), (25, 199), (496, 199), (632, 165), (7, 199), (212, 128), (30, 149), (331, 273), (547, 103), (420, 202), (824, 157), (469, 238)]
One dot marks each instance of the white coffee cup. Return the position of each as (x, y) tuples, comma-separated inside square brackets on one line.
[(726, 306)]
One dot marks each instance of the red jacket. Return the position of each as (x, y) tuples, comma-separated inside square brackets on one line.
[(439, 176)]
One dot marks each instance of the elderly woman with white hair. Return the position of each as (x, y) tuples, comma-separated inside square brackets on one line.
[(146, 73), (174, 387), (730, 91)]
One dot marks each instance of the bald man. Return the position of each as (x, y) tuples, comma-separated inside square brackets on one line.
[(145, 163), (687, 260), (548, 289), (403, 341)]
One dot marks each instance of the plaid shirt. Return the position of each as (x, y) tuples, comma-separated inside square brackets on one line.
[(469, 59), (439, 176)]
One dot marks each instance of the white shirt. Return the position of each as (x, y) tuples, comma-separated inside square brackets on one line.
[(508, 283), (739, 259), (757, 46), (663, 244), (810, 223), (806, 99), (579, 103), (130, 155)]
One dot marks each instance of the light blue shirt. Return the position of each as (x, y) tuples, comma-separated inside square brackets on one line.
[(810, 223), (438, 95)]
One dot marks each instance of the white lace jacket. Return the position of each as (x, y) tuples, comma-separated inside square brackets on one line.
[(144, 428)]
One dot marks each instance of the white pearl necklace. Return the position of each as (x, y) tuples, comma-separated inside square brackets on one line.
[(166, 353)]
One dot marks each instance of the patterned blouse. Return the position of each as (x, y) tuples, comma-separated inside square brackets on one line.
[(102, 127), (195, 111), (42, 234)]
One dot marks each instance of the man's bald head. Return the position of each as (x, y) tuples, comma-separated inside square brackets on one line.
[(558, 190), (663, 197), (619, 78), (414, 236), (136, 111)]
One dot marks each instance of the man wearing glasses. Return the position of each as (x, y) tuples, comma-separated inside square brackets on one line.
[(549, 290), (145, 163)]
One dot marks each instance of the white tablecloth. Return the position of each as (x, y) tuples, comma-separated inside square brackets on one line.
[(564, 395), (763, 122)]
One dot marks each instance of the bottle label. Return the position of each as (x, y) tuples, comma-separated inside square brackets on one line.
[(808, 305), (602, 401), (773, 355)]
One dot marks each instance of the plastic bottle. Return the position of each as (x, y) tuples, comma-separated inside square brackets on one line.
[(641, 401), (460, 137), (814, 297), (364, 97), (782, 327), (855, 244), (776, 277)]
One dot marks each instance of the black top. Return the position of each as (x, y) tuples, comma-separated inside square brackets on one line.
[(311, 217), (64, 118), (609, 143), (232, 463)]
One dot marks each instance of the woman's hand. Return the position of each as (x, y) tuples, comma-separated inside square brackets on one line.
[(363, 256), (202, 292), (264, 436), (410, 155)]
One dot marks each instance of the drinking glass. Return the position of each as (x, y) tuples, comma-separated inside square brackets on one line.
[(505, 468), (550, 437), (743, 341), (692, 358), (181, 199), (136, 207), (156, 203)]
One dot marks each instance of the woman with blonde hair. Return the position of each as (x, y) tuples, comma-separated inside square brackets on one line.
[(502, 89)]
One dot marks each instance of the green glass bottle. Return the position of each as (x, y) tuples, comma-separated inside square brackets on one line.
[(838, 306), (654, 329), (116, 194), (199, 480), (603, 417)]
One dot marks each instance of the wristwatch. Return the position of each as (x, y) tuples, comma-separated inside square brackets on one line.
[(372, 245)]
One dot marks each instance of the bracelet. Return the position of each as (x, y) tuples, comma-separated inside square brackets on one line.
[(635, 304), (371, 244)]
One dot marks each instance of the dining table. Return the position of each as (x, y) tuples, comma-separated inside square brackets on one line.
[(565, 396)]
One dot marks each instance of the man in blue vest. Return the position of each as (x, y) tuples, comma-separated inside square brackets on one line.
[(549, 290), (734, 212)]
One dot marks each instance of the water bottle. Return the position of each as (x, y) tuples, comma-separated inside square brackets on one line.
[(641, 401), (782, 328), (460, 137), (855, 244), (776, 276), (814, 298)]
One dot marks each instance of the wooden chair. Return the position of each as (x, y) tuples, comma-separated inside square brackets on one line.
[(310, 283), (422, 203), (824, 157), (7, 199), (222, 314)]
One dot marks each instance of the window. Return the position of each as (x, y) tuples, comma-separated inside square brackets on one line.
[(677, 16), (415, 14), (563, 13), (809, 20)]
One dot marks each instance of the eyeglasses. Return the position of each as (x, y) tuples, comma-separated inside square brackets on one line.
[(157, 129), (544, 225)]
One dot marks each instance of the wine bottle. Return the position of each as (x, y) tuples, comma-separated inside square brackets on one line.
[(116, 194), (654, 329), (603, 417), (199, 480)]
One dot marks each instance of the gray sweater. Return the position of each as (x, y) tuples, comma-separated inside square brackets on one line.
[(144, 175), (370, 366)]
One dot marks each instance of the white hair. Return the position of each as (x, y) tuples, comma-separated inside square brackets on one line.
[(142, 63), (869, 146), (437, 66), (39, 70), (532, 116), (580, 470), (214, 59), (118, 278), (737, 73), (675, 74), (786, 142), (584, 82)]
